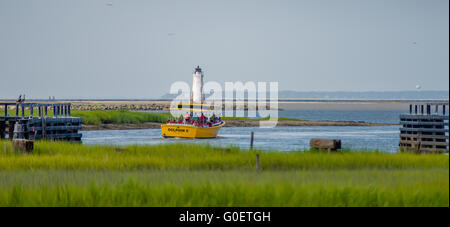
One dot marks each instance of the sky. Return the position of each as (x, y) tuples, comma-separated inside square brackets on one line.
[(138, 48)]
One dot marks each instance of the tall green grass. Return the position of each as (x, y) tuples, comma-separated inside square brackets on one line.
[(97, 117), (66, 174), (48, 155), (226, 188)]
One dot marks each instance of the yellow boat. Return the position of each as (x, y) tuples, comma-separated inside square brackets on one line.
[(190, 131), (196, 104)]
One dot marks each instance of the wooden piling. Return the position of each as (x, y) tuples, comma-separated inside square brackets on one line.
[(251, 140), (424, 131), (59, 127), (11, 129), (2, 129)]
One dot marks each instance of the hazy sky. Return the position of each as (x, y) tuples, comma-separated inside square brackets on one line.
[(136, 49)]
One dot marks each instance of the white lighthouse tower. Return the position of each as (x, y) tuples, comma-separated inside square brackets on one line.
[(197, 86)]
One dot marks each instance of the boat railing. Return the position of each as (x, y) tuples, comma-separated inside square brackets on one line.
[(197, 125)]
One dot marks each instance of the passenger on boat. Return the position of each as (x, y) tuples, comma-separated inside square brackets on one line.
[(187, 117), (202, 118)]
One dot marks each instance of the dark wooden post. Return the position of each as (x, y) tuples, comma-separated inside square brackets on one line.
[(17, 110), (251, 140), (31, 109), (69, 109), (11, 129), (23, 110), (6, 110), (410, 108), (45, 110), (415, 106), (43, 123), (2, 129)]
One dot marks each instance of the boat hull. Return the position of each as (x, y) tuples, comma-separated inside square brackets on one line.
[(189, 131)]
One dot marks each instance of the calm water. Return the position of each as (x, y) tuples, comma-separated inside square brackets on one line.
[(384, 138), (376, 116)]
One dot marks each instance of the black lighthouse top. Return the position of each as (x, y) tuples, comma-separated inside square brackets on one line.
[(198, 69)]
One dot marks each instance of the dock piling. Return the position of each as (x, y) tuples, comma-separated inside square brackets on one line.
[(424, 131), (11, 129), (251, 140), (60, 126), (2, 129)]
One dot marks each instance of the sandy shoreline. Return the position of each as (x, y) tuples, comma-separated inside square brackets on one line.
[(233, 123)]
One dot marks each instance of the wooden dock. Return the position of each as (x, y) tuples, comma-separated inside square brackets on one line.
[(45, 121), (425, 128)]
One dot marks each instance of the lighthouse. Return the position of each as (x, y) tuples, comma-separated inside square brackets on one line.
[(197, 86)]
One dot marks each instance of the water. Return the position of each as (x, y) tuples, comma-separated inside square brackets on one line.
[(373, 116), (384, 138)]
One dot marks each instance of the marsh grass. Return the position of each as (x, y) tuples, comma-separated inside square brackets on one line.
[(66, 174), (62, 155), (97, 117), (226, 188)]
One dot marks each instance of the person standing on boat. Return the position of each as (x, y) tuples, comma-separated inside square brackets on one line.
[(187, 117), (202, 118), (212, 118)]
